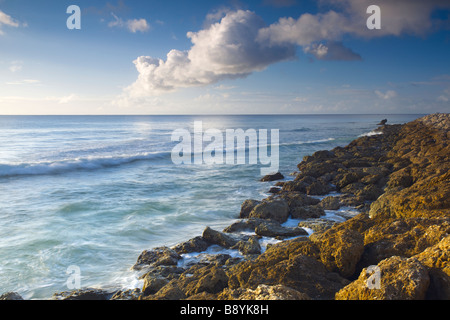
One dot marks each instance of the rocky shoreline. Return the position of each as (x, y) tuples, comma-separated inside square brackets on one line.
[(372, 223)]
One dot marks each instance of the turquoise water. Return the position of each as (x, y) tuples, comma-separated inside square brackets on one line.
[(95, 191)]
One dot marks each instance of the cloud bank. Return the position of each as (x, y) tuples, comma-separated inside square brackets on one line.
[(241, 43)]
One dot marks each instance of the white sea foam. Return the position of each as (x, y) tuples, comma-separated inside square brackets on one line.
[(371, 133)]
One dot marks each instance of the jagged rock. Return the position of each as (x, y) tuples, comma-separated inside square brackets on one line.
[(307, 212), (197, 244), (330, 203), (131, 294), (84, 294), (274, 229), (402, 237), (170, 291), (370, 192), (272, 177), (277, 210), (157, 257), (251, 246), (247, 207), (153, 284), (318, 188), (11, 296), (317, 225), (399, 279), (263, 292), (244, 225), (219, 238), (300, 272), (340, 249), (210, 279), (437, 259)]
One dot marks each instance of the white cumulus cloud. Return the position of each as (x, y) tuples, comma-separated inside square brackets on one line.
[(228, 49)]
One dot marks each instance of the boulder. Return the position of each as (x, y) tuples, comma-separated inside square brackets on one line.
[(244, 225), (219, 238), (162, 256), (197, 244), (330, 203), (398, 279), (247, 207), (307, 212), (340, 249), (263, 292), (317, 225), (251, 246), (277, 210), (84, 294), (272, 177), (198, 279), (437, 259), (274, 229), (11, 296), (130, 294)]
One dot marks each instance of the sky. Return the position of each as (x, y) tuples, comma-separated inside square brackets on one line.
[(224, 57)]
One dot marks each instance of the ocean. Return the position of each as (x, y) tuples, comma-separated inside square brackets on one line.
[(95, 191)]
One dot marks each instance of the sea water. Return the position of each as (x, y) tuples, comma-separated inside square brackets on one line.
[(95, 191)]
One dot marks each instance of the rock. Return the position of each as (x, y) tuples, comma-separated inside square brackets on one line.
[(383, 122), (153, 284), (318, 188), (330, 203), (244, 225), (317, 225), (247, 207), (11, 296), (301, 273), (170, 291), (264, 292), (219, 238), (340, 250), (273, 177), (277, 210), (84, 294), (369, 192), (437, 259), (307, 212), (157, 257), (131, 294), (297, 199), (167, 272), (399, 279), (274, 229), (251, 246), (345, 179), (197, 244), (402, 237), (210, 279), (298, 186), (275, 190)]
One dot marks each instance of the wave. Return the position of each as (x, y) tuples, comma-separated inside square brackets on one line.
[(308, 142), (371, 133), (69, 165)]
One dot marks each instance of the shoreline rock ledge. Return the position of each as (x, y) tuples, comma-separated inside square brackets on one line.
[(396, 247)]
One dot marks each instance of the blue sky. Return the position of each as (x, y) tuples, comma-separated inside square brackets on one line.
[(224, 57)]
